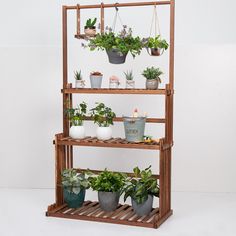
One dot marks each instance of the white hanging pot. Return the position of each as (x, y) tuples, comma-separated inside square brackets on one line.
[(77, 132), (104, 133)]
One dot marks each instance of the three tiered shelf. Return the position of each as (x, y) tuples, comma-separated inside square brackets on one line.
[(64, 144)]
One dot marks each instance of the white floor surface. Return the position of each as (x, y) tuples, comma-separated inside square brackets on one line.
[(22, 213)]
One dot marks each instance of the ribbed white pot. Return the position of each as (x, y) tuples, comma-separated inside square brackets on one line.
[(104, 133), (77, 132)]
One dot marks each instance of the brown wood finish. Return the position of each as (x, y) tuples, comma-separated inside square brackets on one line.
[(64, 144)]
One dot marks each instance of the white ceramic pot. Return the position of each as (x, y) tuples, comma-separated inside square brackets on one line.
[(77, 132), (104, 133)]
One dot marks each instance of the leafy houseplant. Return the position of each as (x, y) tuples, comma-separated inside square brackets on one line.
[(79, 82), (103, 116), (130, 83), (117, 46), (157, 45), (76, 117), (74, 185), (110, 186), (152, 76), (141, 188), (96, 79), (90, 28)]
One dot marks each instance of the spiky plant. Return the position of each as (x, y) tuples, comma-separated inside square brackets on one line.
[(152, 73), (78, 75), (129, 75), (90, 24)]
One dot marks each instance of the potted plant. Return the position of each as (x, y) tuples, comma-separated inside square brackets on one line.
[(114, 82), (152, 76), (117, 46), (141, 188), (79, 82), (130, 83), (74, 186), (103, 116), (156, 45), (76, 117), (109, 186), (96, 79), (90, 28)]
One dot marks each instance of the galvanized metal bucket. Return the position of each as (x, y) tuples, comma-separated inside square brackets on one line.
[(134, 128)]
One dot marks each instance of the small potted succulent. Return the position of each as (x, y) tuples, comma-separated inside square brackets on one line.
[(155, 46), (76, 117), (96, 79), (141, 188), (114, 82), (152, 76), (79, 82), (90, 28), (130, 83), (103, 116), (74, 186), (110, 186), (117, 46)]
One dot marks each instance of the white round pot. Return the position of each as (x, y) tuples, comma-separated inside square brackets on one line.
[(104, 133), (77, 132)]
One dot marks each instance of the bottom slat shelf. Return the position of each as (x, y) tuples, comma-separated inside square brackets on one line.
[(91, 211)]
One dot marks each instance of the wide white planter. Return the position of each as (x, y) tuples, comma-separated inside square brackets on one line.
[(104, 133), (77, 132)]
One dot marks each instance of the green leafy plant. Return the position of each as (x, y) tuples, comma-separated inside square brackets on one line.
[(77, 115), (152, 73), (78, 75), (156, 42), (73, 181), (129, 75), (102, 115), (141, 185), (108, 181), (123, 42), (90, 24)]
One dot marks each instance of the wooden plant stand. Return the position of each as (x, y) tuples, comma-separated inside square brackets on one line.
[(64, 144)]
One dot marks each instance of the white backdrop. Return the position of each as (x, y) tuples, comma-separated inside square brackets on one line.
[(31, 105)]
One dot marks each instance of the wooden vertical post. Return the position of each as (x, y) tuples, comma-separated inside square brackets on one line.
[(102, 17), (78, 19)]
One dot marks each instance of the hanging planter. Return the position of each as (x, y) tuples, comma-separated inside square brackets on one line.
[(116, 57)]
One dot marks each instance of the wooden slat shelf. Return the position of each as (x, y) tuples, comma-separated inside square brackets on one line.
[(91, 211), (114, 91), (112, 143), (83, 36)]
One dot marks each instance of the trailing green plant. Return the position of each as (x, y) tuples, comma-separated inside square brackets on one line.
[(78, 75), (90, 24), (73, 181), (102, 115), (129, 75), (152, 73), (123, 42), (108, 181), (141, 185), (156, 42), (77, 115)]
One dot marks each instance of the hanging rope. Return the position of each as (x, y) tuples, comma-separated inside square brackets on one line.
[(117, 15), (156, 21)]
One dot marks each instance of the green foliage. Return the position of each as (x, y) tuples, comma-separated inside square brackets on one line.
[(77, 115), (157, 42), (141, 185), (123, 42), (78, 75), (108, 181), (74, 181), (152, 73), (91, 23), (102, 115), (129, 75)]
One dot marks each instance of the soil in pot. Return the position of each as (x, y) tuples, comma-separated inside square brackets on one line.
[(144, 208), (74, 200), (108, 201), (116, 57)]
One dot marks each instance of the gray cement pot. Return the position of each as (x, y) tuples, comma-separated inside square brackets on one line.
[(115, 57), (96, 81), (144, 208), (152, 84), (108, 201)]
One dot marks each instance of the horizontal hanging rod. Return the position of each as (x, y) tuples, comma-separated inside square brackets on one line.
[(133, 4)]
